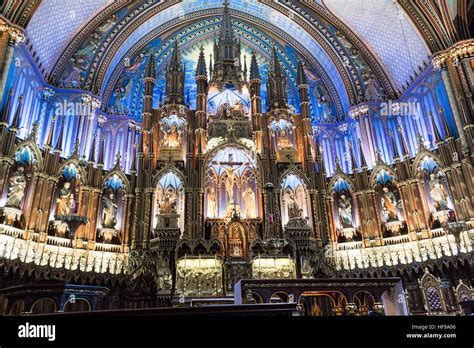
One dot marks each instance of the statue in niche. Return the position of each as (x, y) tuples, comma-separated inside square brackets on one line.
[(211, 203), (164, 281), (238, 109), (344, 208), (438, 194), (235, 237), (168, 203), (16, 191), (109, 213), (223, 111), (389, 205), (249, 199), (283, 141), (294, 209), (65, 201), (229, 180), (172, 138)]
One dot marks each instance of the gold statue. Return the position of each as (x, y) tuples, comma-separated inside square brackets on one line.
[(65, 201), (172, 138)]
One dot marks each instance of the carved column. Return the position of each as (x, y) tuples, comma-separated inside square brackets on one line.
[(440, 62), (10, 36), (329, 202), (416, 212)]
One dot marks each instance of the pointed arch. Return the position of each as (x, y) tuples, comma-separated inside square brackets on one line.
[(170, 168), (376, 171), (420, 157), (121, 175), (31, 144), (292, 169), (340, 175), (249, 152), (75, 162)]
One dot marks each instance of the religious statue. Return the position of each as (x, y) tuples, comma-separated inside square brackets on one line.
[(65, 201), (237, 110), (345, 212), (168, 203), (109, 214), (16, 191), (294, 210), (438, 194), (211, 204), (173, 138), (164, 281), (283, 141), (389, 205), (229, 181), (223, 111), (249, 199)]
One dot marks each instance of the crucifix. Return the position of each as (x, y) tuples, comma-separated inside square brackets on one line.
[(228, 168)]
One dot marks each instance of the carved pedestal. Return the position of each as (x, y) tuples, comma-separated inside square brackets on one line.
[(12, 216), (441, 216), (68, 224), (167, 221), (287, 155), (108, 235), (173, 153), (349, 233), (395, 227)]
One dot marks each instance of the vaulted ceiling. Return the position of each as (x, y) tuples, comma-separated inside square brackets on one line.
[(344, 42)]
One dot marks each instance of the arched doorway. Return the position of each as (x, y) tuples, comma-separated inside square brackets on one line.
[(43, 306), (77, 305)]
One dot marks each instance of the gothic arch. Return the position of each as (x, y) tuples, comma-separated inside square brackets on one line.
[(75, 162), (378, 169), (252, 155), (170, 168), (420, 157), (340, 175), (295, 171), (30, 143), (122, 176)]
